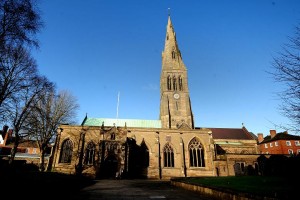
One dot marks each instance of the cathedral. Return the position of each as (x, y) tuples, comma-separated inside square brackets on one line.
[(170, 146)]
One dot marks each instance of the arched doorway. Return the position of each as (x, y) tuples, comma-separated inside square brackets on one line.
[(110, 166)]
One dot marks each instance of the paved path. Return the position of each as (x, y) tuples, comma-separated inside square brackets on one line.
[(136, 189)]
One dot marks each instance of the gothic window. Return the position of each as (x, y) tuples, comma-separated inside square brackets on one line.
[(169, 84), (89, 157), (180, 83), (173, 54), (174, 83), (196, 153), (66, 152), (168, 156), (113, 136)]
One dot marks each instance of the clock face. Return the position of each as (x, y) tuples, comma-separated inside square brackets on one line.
[(176, 96)]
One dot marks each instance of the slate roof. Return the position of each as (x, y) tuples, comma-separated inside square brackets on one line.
[(280, 136), (232, 133)]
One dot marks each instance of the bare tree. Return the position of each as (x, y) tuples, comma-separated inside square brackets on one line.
[(22, 107), (17, 68), (19, 23), (287, 71), (49, 112)]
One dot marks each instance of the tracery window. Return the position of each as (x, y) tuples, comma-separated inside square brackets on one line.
[(89, 156), (196, 153), (168, 156), (180, 83), (169, 84), (66, 151)]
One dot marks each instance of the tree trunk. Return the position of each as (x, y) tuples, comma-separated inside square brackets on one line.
[(14, 149)]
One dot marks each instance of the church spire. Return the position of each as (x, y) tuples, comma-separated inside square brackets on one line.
[(171, 56), (175, 106)]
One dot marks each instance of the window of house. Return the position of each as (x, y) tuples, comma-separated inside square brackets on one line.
[(298, 151), (168, 156), (297, 143), (89, 156), (288, 143), (66, 151), (196, 153), (276, 143), (266, 145), (271, 144), (290, 151)]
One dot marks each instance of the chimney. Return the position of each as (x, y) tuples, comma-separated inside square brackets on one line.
[(272, 133), (4, 130), (260, 137)]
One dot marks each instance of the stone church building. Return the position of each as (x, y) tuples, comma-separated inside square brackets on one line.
[(168, 147)]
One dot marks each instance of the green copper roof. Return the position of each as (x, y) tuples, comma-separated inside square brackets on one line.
[(136, 123)]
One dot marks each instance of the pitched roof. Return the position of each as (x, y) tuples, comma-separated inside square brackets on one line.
[(280, 136), (232, 133), (133, 123)]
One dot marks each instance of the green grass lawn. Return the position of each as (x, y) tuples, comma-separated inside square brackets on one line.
[(268, 186)]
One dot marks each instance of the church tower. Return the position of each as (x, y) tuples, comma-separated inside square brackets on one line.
[(175, 104)]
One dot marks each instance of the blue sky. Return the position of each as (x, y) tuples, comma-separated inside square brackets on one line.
[(97, 49)]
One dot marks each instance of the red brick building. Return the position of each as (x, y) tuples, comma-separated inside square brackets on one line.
[(279, 143)]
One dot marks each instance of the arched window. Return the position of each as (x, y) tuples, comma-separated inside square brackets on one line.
[(169, 84), (66, 151), (196, 153), (89, 156), (180, 83), (113, 136), (173, 54), (174, 83), (168, 156)]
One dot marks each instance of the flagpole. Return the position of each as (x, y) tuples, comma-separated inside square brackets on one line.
[(118, 107)]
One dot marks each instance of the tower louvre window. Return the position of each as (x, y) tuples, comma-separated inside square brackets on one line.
[(168, 156), (169, 83), (174, 83), (180, 83)]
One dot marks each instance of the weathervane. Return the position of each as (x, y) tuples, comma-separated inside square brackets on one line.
[(169, 11)]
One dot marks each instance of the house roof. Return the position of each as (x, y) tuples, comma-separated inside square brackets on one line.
[(25, 143), (232, 133), (280, 136), (133, 123)]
